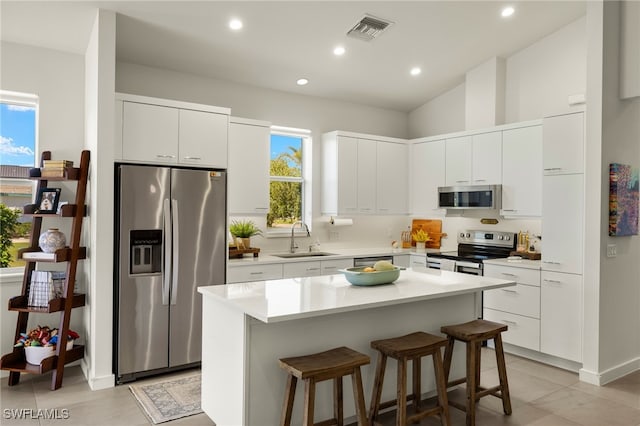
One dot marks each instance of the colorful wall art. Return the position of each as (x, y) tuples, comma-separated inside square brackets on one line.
[(623, 200)]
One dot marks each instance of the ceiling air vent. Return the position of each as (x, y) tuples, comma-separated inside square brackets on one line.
[(369, 28)]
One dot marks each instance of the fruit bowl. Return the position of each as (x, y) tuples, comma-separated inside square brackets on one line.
[(357, 276)]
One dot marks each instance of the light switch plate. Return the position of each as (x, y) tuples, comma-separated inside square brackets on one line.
[(612, 250)]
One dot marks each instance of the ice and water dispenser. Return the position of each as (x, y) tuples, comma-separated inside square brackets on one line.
[(145, 248)]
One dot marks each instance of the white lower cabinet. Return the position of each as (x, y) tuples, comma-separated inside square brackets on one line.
[(523, 331), (301, 269), (518, 307), (561, 315), (329, 267), (402, 260), (418, 261), (243, 274)]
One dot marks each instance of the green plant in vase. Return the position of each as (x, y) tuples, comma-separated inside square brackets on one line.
[(242, 231)]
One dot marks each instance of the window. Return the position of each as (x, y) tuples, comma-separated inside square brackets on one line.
[(18, 135), (289, 185)]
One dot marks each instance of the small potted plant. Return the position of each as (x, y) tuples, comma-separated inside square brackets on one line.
[(242, 231), (421, 237), (40, 343)]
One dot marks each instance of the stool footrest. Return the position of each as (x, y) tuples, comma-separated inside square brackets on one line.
[(495, 391), (456, 382), (329, 422), (393, 402), (425, 413)]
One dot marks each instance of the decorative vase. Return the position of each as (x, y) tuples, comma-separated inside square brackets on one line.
[(243, 243), (52, 240), (421, 246)]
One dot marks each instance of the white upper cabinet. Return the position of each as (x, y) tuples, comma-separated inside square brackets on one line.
[(474, 159), (392, 178), (563, 144), (363, 175), (150, 133), (203, 138), (562, 223), (172, 132), (248, 172), (522, 172), (458, 161), (340, 174), (486, 159), (367, 176), (427, 174)]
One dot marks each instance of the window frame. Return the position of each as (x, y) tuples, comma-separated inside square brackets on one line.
[(33, 101), (304, 179)]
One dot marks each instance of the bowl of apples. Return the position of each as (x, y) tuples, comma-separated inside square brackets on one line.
[(382, 272)]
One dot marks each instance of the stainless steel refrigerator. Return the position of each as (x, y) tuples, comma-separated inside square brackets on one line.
[(170, 239)]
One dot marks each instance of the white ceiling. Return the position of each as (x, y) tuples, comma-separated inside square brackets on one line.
[(283, 41)]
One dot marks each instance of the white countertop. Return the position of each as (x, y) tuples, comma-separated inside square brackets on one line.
[(516, 263), (296, 298), (265, 258)]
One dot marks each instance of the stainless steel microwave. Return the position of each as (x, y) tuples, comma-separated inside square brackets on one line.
[(470, 197)]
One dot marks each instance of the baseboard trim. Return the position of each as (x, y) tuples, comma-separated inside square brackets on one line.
[(611, 374), (554, 361), (97, 383)]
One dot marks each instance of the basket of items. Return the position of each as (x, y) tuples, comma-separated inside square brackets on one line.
[(40, 343)]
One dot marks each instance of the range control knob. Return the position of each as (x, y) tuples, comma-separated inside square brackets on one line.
[(507, 237), (468, 235), (500, 237), (462, 235)]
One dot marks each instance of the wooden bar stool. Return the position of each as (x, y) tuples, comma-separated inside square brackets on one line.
[(331, 364), (473, 333), (411, 347)]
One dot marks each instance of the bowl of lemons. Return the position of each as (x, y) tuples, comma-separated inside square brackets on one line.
[(382, 272)]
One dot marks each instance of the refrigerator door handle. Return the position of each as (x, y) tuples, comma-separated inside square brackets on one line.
[(168, 243), (176, 252)]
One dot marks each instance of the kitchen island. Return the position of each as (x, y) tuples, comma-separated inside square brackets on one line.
[(247, 327)]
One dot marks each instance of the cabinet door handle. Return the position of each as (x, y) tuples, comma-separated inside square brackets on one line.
[(313, 269), (192, 158), (551, 262), (479, 180), (462, 181), (262, 208), (165, 156), (509, 291), (509, 322), (329, 267), (508, 274), (550, 169), (552, 281), (509, 210), (255, 273)]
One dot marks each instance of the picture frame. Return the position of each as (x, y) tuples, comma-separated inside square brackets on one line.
[(47, 200)]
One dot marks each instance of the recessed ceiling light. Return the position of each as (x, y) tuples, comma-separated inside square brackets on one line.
[(507, 11), (415, 71), (235, 24), (339, 51), (302, 81)]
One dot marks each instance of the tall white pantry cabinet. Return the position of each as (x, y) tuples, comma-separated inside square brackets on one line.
[(561, 292)]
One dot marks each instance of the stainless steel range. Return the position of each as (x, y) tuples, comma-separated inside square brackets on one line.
[(474, 246)]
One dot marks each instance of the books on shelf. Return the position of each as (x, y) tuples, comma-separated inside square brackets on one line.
[(57, 163), (44, 286), (55, 168)]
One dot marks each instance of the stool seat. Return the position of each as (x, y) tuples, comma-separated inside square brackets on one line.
[(328, 363), (473, 333), (411, 347), (332, 364), (473, 330)]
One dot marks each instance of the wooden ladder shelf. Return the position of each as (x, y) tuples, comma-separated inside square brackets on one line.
[(15, 362)]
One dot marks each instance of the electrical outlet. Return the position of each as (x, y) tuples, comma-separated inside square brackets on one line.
[(334, 236), (612, 250)]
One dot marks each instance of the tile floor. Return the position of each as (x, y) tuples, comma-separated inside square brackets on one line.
[(540, 396)]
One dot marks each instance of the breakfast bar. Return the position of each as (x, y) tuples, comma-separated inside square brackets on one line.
[(247, 327)]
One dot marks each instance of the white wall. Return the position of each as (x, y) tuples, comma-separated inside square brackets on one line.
[(484, 95), (541, 77), (619, 289), (99, 137), (284, 109), (443, 114), (58, 80)]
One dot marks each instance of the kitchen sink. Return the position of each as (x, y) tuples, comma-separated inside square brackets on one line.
[(304, 254)]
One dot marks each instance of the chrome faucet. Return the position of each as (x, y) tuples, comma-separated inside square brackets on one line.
[(294, 246)]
